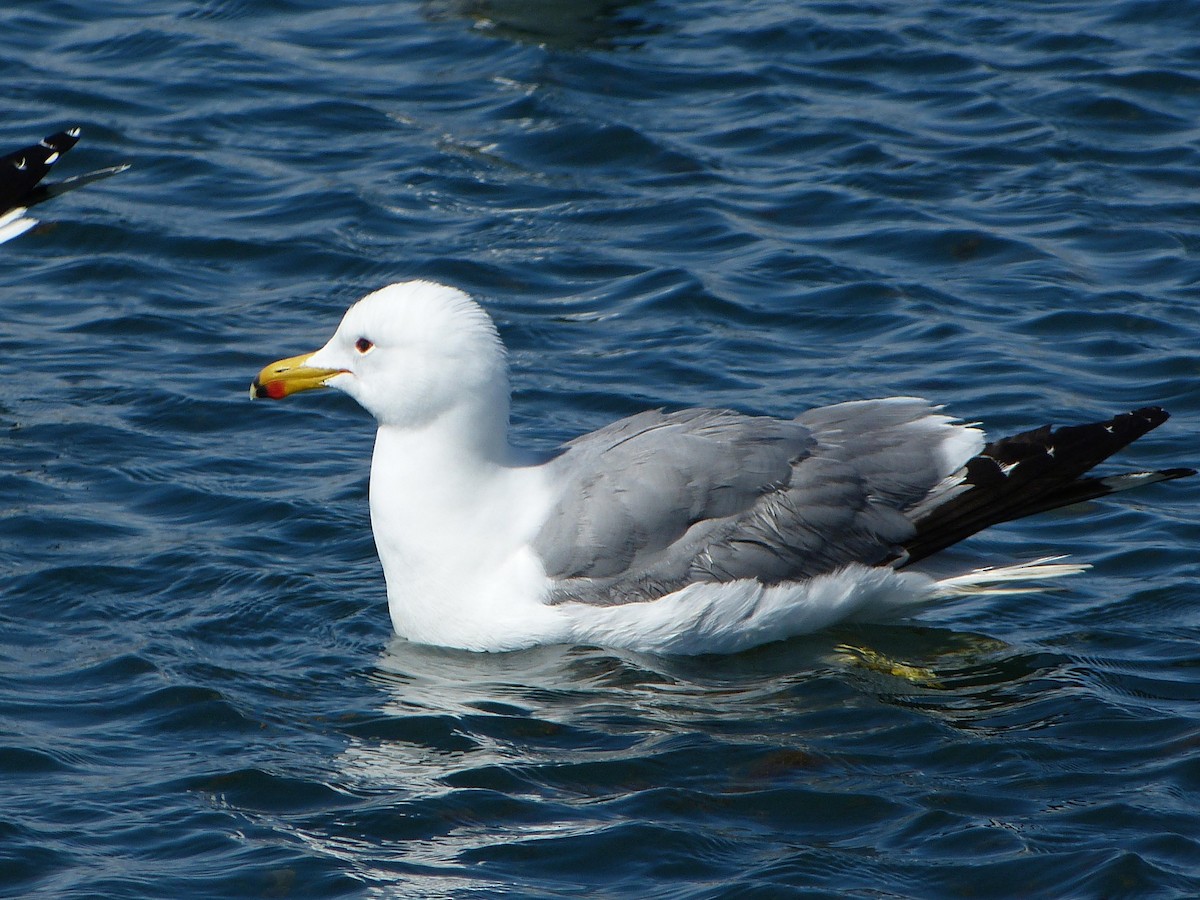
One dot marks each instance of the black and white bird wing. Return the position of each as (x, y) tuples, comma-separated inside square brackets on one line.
[(22, 170), (21, 174), (660, 500), (1032, 472)]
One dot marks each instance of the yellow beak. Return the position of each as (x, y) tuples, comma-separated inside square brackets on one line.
[(290, 376)]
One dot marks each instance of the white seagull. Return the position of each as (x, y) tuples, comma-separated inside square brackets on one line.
[(698, 531), (21, 173)]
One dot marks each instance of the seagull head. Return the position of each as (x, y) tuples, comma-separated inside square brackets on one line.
[(410, 353)]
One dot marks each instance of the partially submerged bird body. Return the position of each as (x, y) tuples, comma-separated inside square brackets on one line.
[(21, 174), (694, 531)]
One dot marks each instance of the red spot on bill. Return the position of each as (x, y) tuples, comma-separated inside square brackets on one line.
[(276, 390)]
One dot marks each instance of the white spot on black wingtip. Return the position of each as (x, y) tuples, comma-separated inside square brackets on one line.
[(52, 158), (74, 132), (20, 164)]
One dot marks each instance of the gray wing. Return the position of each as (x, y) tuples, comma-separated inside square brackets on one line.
[(659, 500)]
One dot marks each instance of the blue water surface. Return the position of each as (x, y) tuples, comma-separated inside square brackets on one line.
[(759, 204)]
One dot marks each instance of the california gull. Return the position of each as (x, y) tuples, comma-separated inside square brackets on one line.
[(702, 530)]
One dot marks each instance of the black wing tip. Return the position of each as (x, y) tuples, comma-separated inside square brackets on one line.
[(1155, 414), (1037, 471), (62, 141), (1178, 472), (22, 171), (1079, 447), (1091, 442), (1149, 416), (48, 150)]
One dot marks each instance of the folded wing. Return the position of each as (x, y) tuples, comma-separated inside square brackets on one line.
[(660, 500)]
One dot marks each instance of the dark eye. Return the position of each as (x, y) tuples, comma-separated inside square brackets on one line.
[(362, 345)]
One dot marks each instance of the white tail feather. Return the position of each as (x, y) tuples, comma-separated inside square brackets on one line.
[(997, 580)]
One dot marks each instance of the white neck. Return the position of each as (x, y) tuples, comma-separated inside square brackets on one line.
[(453, 514)]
